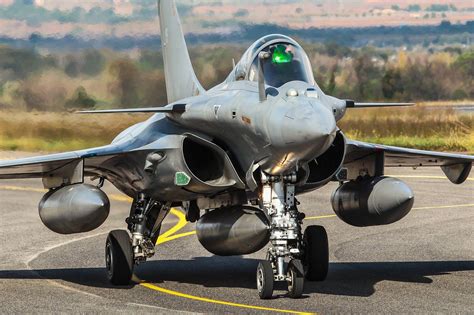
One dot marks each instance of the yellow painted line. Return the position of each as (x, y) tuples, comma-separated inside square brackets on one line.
[(321, 217), (17, 188), (176, 236), (165, 237), (201, 299), (169, 236), (416, 208), (444, 207)]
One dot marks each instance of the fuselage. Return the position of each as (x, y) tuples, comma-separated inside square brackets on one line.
[(293, 126), (268, 115)]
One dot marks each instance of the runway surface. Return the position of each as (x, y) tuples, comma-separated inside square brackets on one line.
[(424, 263)]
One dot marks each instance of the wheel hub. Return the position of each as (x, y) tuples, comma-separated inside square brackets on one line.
[(108, 258)]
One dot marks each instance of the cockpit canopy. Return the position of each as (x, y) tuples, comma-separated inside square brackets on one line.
[(287, 62)]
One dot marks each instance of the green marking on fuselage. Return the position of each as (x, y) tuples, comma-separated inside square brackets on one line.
[(181, 179)]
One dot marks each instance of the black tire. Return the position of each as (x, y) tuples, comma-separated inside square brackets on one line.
[(296, 279), (265, 280), (316, 253), (119, 257), (193, 213)]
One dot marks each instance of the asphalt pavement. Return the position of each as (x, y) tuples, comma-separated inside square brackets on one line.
[(421, 264)]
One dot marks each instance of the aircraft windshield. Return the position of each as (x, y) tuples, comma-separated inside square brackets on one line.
[(287, 63)]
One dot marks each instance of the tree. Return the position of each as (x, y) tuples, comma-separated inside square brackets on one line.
[(368, 77), (331, 86), (392, 83), (465, 64), (81, 99), (93, 62), (72, 66), (126, 82)]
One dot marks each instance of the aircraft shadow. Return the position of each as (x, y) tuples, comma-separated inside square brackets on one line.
[(349, 279)]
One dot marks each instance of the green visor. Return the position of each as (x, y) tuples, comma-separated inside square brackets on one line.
[(281, 55)]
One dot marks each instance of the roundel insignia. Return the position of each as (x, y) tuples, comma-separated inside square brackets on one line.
[(181, 179)]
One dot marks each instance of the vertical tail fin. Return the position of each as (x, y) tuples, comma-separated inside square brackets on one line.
[(181, 81)]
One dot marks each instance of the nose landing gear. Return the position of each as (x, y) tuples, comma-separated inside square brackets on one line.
[(291, 256)]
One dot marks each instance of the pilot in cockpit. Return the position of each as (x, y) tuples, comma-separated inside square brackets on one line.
[(286, 63)]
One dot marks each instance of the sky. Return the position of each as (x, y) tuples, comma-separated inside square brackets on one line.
[(92, 19)]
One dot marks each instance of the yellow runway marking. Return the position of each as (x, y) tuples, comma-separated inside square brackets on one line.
[(170, 235), (445, 207), (176, 236), (166, 237), (201, 299), (416, 208), (17, 188), (321, 217)]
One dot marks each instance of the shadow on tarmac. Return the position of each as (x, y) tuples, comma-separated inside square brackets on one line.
[(348, 279)]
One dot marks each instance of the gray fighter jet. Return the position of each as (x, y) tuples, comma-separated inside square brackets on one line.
[(239, 153)]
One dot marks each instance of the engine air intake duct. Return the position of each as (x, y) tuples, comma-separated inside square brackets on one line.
[(374, 201), (325, 167)]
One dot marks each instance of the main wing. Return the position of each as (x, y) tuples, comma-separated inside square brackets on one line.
[(113, 162), (360, 154), (40, 166)]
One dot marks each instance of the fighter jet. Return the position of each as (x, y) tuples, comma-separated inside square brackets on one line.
[(234, 158)]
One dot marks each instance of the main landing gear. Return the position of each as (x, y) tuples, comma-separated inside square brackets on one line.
[(292, 256), (123, 252)]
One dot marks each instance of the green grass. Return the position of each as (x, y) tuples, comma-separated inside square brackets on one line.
[(32, 144), (428, 143)]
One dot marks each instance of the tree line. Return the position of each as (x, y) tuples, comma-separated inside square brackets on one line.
[(32, 80)]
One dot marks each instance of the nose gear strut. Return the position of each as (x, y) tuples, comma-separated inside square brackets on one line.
[(286, 242)]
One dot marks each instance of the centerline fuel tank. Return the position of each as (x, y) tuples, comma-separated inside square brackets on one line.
[(239, 230)]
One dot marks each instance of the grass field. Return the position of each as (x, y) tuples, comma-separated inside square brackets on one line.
[(423, 127)]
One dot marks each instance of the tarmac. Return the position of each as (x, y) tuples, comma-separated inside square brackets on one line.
[(421, 264)]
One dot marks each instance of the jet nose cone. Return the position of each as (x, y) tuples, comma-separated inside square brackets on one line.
[(309, 127)]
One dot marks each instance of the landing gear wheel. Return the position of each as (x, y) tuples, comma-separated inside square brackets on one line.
[(119, 257), (316, 253), (265, 280), (295, 279)]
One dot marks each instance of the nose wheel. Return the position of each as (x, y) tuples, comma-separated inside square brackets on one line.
[(265, 281), (292, 255), (295, 278), (286, 246)]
